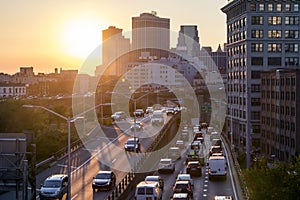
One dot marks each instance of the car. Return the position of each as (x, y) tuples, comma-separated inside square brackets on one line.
[(54, 187), (133, 144), (197, 134), (166, 165), (200, 139), (157, 179), (194, 155), (183, 187), (137, 126), (170, 111), (149, 110), (196, 145), (139, 113), (180, 196), (222, 198), (104, 180), (216, 142), (157, 118), (194, 168), (120, 115), (185, 177), (215, 149)]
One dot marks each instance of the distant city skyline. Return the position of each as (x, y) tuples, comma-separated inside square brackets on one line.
[(49, 34)]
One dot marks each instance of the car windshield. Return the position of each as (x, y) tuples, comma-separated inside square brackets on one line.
[(52, 183), (103, 176), (165, 162), (183, 177), (131, 142), (181, 186), (155, 179)]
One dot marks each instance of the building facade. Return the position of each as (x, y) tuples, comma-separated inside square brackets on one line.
[(151, 34), (114, 45), (261, 35), (280, 114), (189, 46)]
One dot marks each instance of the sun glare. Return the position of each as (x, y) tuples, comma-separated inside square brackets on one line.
[(81, 37)]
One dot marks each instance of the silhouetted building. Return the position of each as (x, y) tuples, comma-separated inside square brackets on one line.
[(188, 40), (150, 36)]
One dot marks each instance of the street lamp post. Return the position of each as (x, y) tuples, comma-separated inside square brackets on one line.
[(69, 121)]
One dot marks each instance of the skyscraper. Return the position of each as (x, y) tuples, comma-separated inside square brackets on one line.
[(114, 45), (151, 34), (188, 40), (261, 35)]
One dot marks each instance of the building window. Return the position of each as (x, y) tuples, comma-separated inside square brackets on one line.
[(291, 47), (296, 7), (257, 20), (292, 61), (257, 47), (270, 7), (274, 20), (278, 7), (257, 33), (257, 61), (252, 7), (274, 61), (255, 74), (274, 47), (291, 34), (287, 7), (274, 33), (261, 7), (291, 20)]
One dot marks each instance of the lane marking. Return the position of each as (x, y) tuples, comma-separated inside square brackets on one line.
[(114, 160)]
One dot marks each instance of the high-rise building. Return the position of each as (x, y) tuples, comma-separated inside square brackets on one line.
[(150, 36), (280, 113), (188, 40), (261, 35), (114, 46)]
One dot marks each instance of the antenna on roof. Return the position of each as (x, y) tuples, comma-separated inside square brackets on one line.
[(153, 12)]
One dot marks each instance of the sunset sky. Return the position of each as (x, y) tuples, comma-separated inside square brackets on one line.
[(54, 33)]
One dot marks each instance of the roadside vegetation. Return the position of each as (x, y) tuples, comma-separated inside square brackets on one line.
[(272, 180), (50, 131)]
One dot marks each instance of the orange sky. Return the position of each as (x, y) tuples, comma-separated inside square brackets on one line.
[(49, 34)]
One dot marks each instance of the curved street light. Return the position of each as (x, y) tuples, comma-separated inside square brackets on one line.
[(69, 121)]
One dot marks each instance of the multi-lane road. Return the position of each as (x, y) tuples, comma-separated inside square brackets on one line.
[(107, 153)]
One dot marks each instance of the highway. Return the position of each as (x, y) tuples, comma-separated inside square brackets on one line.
[(107, 153), (98, 153)]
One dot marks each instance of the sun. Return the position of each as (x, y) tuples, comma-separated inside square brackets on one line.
[(80, 37)]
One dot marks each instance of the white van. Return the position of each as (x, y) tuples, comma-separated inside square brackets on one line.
[(217, 167), (148, 191), (157, 118)]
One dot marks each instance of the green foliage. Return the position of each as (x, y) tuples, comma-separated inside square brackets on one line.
[(50, 131), (280, 182)]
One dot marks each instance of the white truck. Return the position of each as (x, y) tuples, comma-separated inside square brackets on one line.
[(217, 167), (157, 117)]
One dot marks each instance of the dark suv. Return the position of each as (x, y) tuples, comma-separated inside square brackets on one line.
[(183, 187), (54, 187), (194, 168), (104, 180)]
